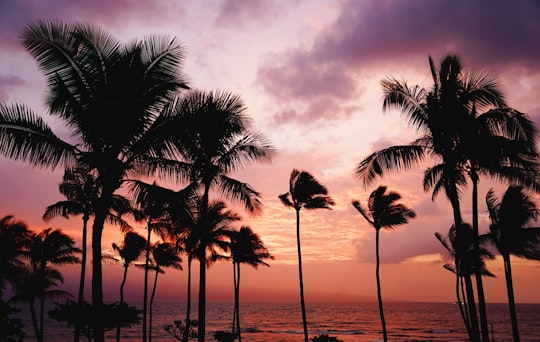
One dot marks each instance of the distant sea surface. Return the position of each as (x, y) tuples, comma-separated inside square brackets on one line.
[(282, 322)]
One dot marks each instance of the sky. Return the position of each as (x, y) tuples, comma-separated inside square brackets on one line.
[(309, 72)]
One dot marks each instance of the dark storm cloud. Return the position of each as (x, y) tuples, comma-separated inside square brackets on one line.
[(487, 34)]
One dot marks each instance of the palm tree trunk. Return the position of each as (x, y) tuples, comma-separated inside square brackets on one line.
[(460, 304), (188, 306), (121, 298), (101, 211), (379, 295), (472, 309), (145, 290), (41, 314), (302, 303), (478, 268), (151, 304), (511, 301), (83, 273), (34, 321), (202, 265), (237, 300)]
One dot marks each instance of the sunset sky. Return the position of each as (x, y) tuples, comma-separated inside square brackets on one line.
[(309, 72)]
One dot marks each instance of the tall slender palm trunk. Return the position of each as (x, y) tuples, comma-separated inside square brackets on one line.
[(478, 267), (300, 277), (188, 306), (145, 290), (97, 277), (83, 274), (379, 295), (202, 265), (237, 300), (124, 277), (151, 305), (511, 300)]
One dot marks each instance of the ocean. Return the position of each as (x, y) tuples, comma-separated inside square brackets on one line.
[(350, 322)]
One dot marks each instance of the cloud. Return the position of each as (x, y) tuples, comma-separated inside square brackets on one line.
[(387, 33), (239, 13)]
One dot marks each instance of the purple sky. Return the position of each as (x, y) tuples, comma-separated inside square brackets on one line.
[(309, 72)]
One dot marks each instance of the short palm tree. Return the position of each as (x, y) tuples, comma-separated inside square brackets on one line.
[(82, 190), (246, 248), (131, 250), (46, 248), (511, 234), (217, 140), (14, 238), (464, 268), (164, 255), (304, 192), (382, 211), (94, 79)]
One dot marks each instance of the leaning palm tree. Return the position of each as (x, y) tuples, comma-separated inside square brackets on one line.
[(382, 211), (164, 255), (304, 192), (14, 238), (511, 235), (497, 143), (93, 79), (217, 140), (246, 248), (48, 247), (131, 249), (82, 190)]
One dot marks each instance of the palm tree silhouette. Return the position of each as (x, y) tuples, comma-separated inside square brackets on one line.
[(93, 79), (382, 211), (131, 249), (164, 254), (217, 139), (509, 231), (48, 247), (499, 142), (82, 190), (464, 269), (304, 192), (14, 238), (246, 248)]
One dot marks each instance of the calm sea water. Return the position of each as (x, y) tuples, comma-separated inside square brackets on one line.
[(282, 322)]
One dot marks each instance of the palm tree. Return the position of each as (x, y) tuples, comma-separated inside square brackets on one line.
[(511, 235), (217, 139), (304, 192), (82, 190), (498, 143), (382, 211), (14, 238), (94, 79), (246, 248), (464, 269), (166, 255), (48, 247), (130, 250)]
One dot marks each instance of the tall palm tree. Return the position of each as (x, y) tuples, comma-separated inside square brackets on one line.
[(217, 140), (497, 143), (46, 248), (246, 248), (509, 231), (94, 79), (304, 192), (164, 255), (382, 211), (82, 190), (131, 249), (14, 238)]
